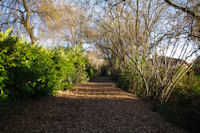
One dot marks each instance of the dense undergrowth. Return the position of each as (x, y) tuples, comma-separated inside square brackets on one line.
[(183, 107), (32, 71)]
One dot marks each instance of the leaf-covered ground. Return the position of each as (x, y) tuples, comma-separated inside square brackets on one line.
[(96, 107)]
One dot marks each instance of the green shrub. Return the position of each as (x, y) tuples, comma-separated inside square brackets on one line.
[(3, 74), (188, 87), (65, 69), (130, 81), (71, 64), (30, 70), (33, 71), (123, 82)]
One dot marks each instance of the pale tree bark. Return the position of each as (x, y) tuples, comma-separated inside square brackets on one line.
[(139, 34)]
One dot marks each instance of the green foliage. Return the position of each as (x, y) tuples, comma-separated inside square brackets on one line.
[(188, 86), (71, 65), (123, 82), (130, 81), (33, 71), (89, 69)]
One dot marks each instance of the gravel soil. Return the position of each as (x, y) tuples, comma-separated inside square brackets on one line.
[(91, 107)]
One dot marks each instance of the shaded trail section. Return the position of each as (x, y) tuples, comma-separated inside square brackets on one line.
[(96, 107)]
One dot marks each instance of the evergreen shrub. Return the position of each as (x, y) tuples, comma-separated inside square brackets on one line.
[(30, 70)]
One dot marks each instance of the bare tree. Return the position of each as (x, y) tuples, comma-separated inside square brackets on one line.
[(139, 36), (27, 15), (188, 10), (191, 9), (72, 26)]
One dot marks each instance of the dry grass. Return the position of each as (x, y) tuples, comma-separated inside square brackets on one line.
[(96, 107)]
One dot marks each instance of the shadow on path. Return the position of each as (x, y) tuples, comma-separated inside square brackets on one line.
[(96, 107)]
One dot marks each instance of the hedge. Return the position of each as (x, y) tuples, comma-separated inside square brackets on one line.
[(30, 70)]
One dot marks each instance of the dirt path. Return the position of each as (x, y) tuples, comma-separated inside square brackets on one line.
[(96, 107)]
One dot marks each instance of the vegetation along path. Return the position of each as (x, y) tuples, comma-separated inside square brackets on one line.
[(96, 106)]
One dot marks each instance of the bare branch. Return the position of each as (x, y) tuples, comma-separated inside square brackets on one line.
[(184, 9)]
